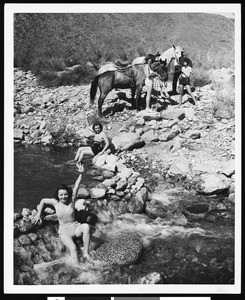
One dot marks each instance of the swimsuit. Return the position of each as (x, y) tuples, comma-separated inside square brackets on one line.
[(97, 148), (67, 213), (184, 77)]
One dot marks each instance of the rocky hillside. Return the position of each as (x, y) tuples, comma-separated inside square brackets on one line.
[(54, 41)]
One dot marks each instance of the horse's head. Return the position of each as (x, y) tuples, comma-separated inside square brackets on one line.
[(177, 52), (162, 69), (163, 63)]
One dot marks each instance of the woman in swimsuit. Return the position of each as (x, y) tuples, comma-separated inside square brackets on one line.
[(100, 146), (184, 81), (150, 74), (64, 204)]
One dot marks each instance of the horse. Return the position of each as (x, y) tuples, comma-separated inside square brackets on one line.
[(132, 77), (141, 60), (173, 53), (169, 55)]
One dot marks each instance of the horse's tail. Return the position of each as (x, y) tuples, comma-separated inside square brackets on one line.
[(93, 88)]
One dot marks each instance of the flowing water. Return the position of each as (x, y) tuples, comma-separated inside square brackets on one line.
[(200, 252)]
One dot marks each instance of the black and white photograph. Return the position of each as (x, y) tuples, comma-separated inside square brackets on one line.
[(122, 149)]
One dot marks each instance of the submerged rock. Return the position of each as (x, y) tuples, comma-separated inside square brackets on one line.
[(152, 278), (122, 250)]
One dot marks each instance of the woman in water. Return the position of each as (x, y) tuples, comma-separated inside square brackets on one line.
[(100, 145), (64, 204)]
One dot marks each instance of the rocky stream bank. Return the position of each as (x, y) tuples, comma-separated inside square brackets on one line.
[(172, 180)]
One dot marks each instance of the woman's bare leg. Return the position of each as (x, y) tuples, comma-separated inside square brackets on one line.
[(84, 231), (181, 91), (81, 152), (148, 96), (188, 88), (68, 242)]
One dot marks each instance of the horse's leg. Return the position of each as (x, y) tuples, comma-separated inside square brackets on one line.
[(105, 86), (133, 90), (102, 97), (138, 96)]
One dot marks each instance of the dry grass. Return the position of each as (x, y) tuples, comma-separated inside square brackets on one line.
[(224, 103)]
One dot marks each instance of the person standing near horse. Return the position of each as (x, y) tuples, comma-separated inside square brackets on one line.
[(184, 81), (64, 204), (100, 144), (160, 67), (150, 74), (177, 70)]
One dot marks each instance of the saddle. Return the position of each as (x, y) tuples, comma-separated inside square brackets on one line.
[(122, 66)]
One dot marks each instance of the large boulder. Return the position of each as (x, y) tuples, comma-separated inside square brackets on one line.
[(18, 134), (150, 136), (193, 134), (204, 166), (137, 202), (126, 173), (97, 193), (121, 184), (99, 160), (227, 168), (83, 193), (152, 278), (169, 135), (214, 183), (155, 209), (180, 167), (127, 141), (124, 249), (173, 113)]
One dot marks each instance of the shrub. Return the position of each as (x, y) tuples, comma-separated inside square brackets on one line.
[(62, 133), (76, 76), (200, 77), (52, 64), (224, 103)]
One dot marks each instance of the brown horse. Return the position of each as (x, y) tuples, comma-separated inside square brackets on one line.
[(133, 77)]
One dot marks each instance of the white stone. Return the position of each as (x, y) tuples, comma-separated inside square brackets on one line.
[(213, 183)]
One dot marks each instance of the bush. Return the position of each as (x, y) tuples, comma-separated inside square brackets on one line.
[(41, 65), (76, 76), (224, 103), (62, 133), (200, 77)]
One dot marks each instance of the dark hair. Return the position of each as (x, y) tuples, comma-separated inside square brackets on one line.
[(63, 187), (186, 60), (97, 123)]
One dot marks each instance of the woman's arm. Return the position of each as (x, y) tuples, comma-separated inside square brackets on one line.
[(49, 201), (80, 169), (107, 143), (87, 124)]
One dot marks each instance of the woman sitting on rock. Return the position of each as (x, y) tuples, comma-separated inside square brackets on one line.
[(64, 204), (100, 145)]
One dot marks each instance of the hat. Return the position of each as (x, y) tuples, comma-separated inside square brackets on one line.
[(80, 204), (186, 60)]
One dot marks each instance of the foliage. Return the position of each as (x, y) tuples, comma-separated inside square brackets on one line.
[(75, 76), (200, 77), (54, 41), (61, 132), (224, 102)]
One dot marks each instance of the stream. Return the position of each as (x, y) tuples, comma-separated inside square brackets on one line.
[(200, 253)]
